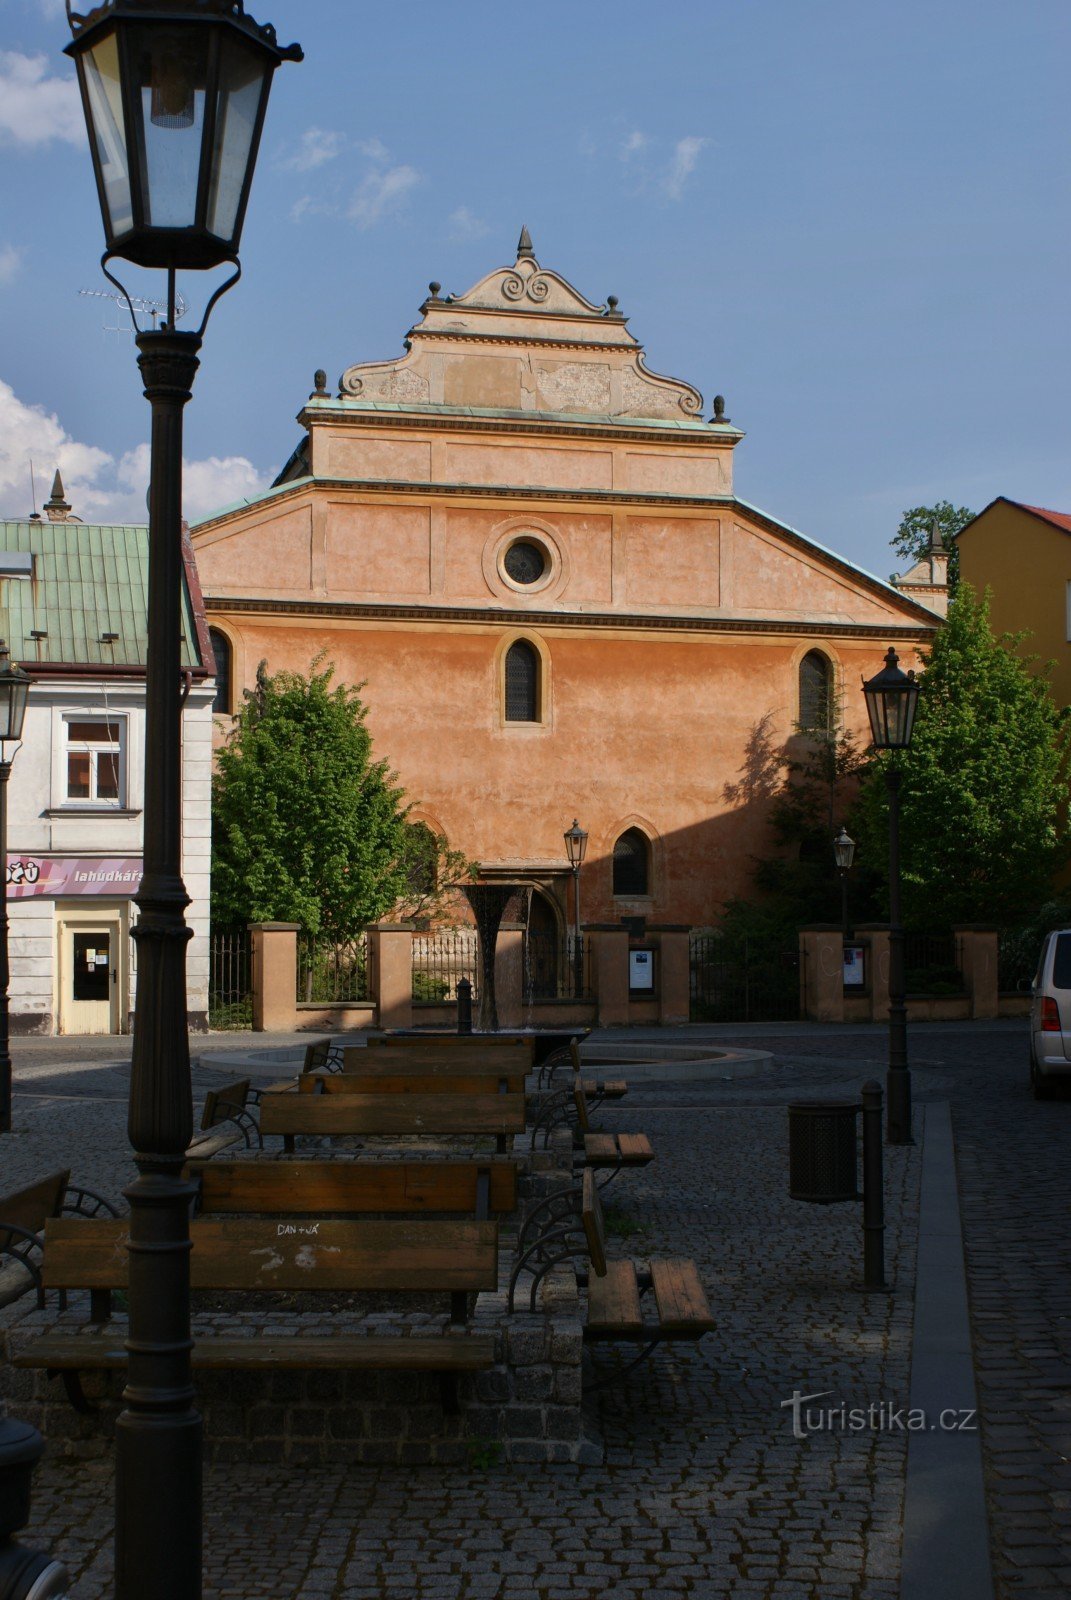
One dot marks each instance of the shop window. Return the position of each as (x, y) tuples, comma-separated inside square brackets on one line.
[(816, 692), (95, 761), (631, 864)]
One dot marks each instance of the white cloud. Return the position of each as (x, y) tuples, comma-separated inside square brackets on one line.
[(316, 147), (100, 488), (464, 224), (382, 191), (633, 144), (685, 155), (34, 108), (10, 262)]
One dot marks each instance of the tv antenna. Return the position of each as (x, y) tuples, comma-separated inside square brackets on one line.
[(153, 308)]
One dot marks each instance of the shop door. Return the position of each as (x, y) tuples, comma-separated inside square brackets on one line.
[(89, 998)]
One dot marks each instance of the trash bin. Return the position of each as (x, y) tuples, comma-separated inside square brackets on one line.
[(822, 1164)]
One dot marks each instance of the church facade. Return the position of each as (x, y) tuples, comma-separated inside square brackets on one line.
[(529, 549)]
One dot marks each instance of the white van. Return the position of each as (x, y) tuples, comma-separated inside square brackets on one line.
[(1050, 1015)]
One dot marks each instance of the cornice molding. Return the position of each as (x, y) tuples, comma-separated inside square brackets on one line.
[(485, 616), (540, 424)]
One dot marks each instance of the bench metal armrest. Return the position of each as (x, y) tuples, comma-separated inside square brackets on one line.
[(82, 1202), (555, 1229), (247, 1126), (557, 1110), (11, 1236)]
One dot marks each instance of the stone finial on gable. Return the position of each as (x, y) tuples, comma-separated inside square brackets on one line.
[(524, 246), (57, 509)]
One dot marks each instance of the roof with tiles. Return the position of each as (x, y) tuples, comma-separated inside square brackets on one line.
[(83, 603)]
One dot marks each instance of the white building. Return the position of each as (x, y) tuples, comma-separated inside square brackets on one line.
[(73, 612)]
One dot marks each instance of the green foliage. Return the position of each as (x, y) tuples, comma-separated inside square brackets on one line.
[(306, 826), (429, 988), (983, 785), (912, 537), (484, 1453), (431, 872), (1020, 944)]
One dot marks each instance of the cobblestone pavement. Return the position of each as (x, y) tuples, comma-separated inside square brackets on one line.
[(704, 1490)]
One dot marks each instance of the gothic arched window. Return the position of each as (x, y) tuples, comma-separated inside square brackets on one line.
[(816, 692), (630, 864), (221, 649), (522, 682)]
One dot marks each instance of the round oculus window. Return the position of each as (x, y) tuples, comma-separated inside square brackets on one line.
[(525, 562)]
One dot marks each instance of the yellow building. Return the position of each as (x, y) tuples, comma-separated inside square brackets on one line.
[(1022, 554)]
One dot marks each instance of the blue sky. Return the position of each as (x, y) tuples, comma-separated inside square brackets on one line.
[(850, 217)]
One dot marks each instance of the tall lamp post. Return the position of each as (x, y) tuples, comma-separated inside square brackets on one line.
[(844, 855), (576, 843), (14, 688), (891, 702), (174, 96)]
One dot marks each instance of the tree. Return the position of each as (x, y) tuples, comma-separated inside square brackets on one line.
[(432, 871), (983, 787), (912, 538), (306, 826)]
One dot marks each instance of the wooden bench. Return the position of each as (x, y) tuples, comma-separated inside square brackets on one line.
[(226, 1110), (612, 1152), (23, 1214), (568, 1057), (572, 1224), (249, 1254), (395, 1075), (323, 1188), (440, 1114), (457, 1055)]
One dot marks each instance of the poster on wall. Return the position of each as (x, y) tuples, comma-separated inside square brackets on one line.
[(57, 877), (641, 971), (854, 968)]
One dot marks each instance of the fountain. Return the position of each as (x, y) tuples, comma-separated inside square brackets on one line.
[(490, 902)]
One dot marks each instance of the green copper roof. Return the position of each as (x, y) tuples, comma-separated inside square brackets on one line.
[(87, 582)]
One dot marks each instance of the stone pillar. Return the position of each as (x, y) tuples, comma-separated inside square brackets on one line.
[(611, 976), (877, 956), (274, 975), (674, 988), (390, 946), (509, 975), (978, 963), (822, 973)]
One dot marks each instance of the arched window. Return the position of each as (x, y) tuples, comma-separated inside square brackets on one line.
[(630, 863), (522, 682), (816, 692), (221, 649)]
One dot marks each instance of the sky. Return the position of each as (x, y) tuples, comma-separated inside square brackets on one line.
[(849, 217)]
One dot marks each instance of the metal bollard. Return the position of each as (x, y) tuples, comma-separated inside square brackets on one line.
[(24, 1574), (873, 1190), (464, 1006)]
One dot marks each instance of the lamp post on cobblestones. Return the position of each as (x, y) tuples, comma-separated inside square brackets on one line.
[(891, 702), (174, 96), (14, 689), (576, 843), (844, 855)]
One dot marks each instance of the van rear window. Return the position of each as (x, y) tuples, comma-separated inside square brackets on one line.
[(1061, 962)]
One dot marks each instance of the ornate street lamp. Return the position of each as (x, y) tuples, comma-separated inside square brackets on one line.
[(14, 688), (174, 93), (844, 855), (891, 702), (576, 844)]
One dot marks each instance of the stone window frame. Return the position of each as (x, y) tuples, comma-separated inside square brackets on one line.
[(525, 530), (821, 652), (542, 723), (216, 632)]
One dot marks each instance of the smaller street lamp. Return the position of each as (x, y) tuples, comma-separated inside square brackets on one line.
[(576, 844), (891, 701), (14, 688), (844, 855)]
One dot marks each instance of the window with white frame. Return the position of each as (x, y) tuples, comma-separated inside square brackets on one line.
[(94, 761)]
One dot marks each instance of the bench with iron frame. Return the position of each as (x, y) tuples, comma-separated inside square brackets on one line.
[(226, 1119), (609, 1152), (404, 1256), (570, 1224), (457, 1054), (567, 1057), (23, 1214), (329, 1107)]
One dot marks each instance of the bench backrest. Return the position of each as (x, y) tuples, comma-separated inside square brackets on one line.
[(594, 1223), (288, 1113), (30, 1207), (320, 1055), (318, 1188), (447, 1053), (410, 1257), (580, 1101), (412, 1077), (220, 1104)]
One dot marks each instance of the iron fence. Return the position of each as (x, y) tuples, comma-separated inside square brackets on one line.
[(230, 986), (742, 982), (440, 961), (332, 972), (556, 967), (932, 964)]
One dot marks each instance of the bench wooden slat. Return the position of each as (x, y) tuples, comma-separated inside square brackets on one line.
[(614, 1303), (683, 1310), (594, 1223), (441, 1114), (320, 1187), (66, 1352), (241, 1254), (223, 1102), (600, 1149), (487, 1042), (611, 1089), (405, 1077), (617, 1149), (635, 1149), (28, 1208), (207, 1145)]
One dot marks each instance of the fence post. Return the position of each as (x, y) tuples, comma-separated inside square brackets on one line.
[(978, 962), (822, 973), (509, 975), (610, 958), (674, 997), (273, 974), (390, 949)]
